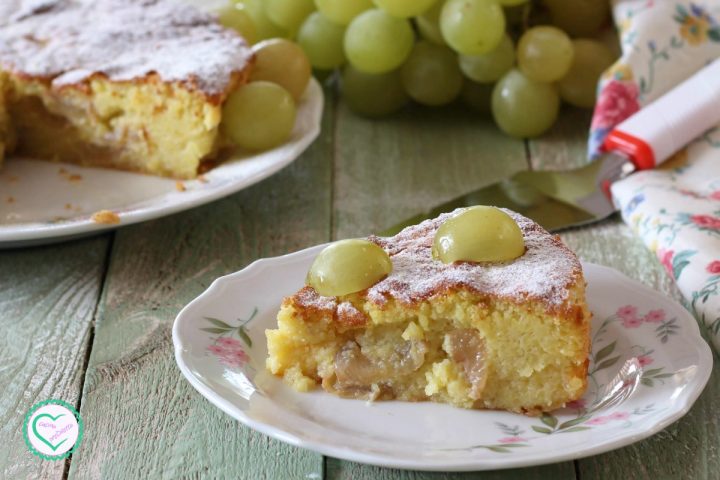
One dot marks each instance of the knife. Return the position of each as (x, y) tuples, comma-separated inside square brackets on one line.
[(558, 200)]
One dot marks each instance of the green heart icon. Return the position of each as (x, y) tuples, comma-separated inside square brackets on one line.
[(43, 439)]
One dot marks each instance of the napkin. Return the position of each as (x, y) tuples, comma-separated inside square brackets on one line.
[(674, 209)]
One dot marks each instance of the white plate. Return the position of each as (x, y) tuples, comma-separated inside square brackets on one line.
[(220, 347), (43, 202)]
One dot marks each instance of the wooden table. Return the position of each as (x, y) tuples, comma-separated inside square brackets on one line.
[(89, 321)]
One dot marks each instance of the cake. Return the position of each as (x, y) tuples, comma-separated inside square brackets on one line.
[(508, 335), (6, 133), (130, 84)]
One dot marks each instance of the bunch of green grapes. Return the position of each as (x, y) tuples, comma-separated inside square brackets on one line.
[(515, 59)]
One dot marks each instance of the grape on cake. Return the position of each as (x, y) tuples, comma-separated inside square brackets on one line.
[(131, 84), (509, 333)]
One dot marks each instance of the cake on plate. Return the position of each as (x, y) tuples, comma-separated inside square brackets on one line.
[(130, 84), (510, 335)]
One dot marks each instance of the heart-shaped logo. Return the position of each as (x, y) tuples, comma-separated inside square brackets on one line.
[(40, 436), (53, 429)]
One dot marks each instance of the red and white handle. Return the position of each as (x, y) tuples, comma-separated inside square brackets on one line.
[(653, 134)]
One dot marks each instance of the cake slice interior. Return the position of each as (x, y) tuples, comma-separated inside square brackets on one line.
[(150, 127), (512, 336)]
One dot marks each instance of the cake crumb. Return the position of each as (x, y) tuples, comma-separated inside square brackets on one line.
[(70, 177), (180, 186), (68, 206), (10, 199), (202, 179), (10, 178), (106, 217)]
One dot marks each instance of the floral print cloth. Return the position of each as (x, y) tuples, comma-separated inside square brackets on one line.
[(674, 209), (663, 42)]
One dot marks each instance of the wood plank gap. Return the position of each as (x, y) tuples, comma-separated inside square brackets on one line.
[(576, 464), (528, 154), (91, 335)]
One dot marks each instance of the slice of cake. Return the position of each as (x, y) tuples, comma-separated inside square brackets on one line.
[(510, 335), (131, 84)]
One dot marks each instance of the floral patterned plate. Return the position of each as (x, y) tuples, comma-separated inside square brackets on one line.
[(648, 365)]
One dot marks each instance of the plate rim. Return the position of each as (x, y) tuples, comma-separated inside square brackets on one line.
[(21, 234), (705, 363)]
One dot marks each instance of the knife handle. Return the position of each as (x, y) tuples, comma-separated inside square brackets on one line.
[(655, 133)]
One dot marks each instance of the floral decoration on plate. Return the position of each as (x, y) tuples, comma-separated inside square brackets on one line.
[(648, 365)]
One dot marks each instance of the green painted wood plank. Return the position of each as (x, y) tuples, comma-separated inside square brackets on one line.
[(341, 470), (48, 297), (390, 169), (143, 420), (687, 448)]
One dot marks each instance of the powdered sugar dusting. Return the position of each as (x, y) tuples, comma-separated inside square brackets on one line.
[(68, 40), (545, 272), (308, 298), (350, 316), (347, 309)]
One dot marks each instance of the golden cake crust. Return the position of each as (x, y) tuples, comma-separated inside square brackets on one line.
[(547, 272), (69, 42)]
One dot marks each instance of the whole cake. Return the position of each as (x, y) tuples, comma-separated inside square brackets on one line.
[(130, 84), (510, 335)]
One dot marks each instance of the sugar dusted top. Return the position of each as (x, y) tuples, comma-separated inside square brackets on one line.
[(545, 272), (69, 40)]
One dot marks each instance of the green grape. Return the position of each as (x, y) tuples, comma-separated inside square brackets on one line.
[(478, 234), (264, 27), (544, 53), (348, 266), (404, 8), (491, 66), (288, 14), (322, 41), (523, 107), (373, 95), (237, 18), (579, 86), (477, 95), (258, 116), (283, 62), (431, 75), (342, 11), (579, 18), (428, 24), (472, 27), (376, 42)]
